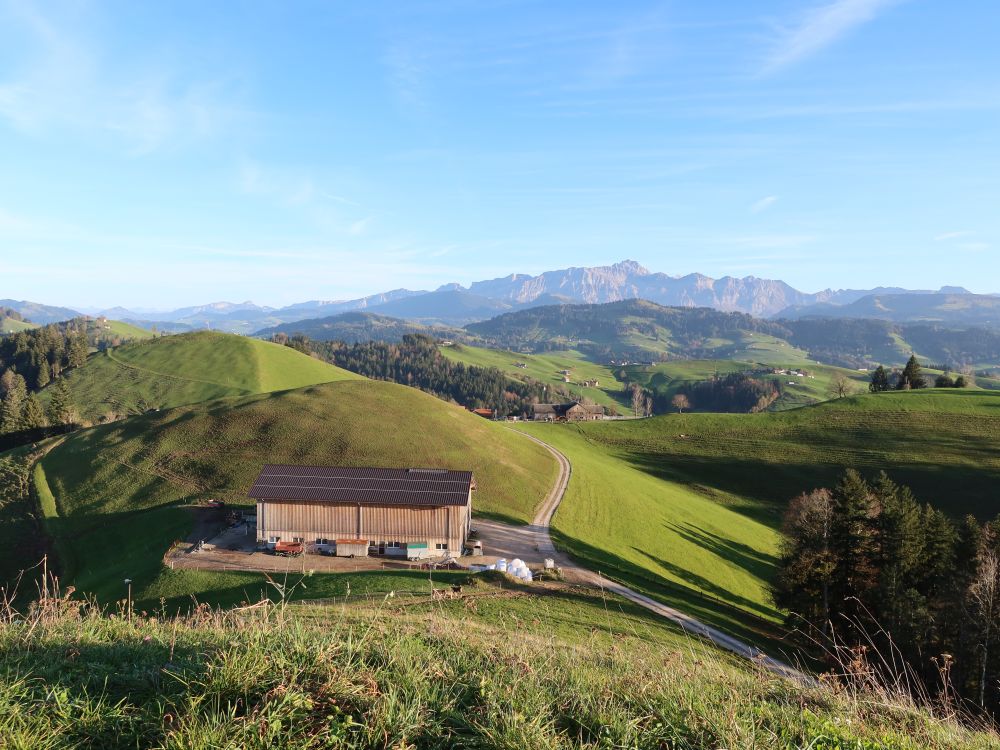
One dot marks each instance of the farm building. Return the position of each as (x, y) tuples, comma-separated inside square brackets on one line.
[(398, 512), (571, 412)]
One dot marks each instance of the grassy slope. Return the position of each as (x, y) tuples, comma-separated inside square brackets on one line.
[(9, 325), (189, 368), (125, 330), (689, 548), (545, 368), (498, 669), (682, 515), (117, 487)]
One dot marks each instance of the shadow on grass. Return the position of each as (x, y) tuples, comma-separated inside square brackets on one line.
[(761, 565), (239, 588), (737, 616), (768, 485)]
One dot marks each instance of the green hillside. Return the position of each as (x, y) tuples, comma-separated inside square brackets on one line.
[(667, 378), (546, 368), (188, 368), (113, 493), (111, 328), (9, 325), (686, 507)]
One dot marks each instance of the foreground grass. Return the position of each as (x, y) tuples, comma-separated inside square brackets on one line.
[(498, 670), (117, 490), (189, 368)]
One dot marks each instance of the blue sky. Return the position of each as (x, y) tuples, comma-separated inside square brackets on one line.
[(166, 154)]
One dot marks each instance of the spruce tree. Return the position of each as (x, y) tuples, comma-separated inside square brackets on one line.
[(78, 349), (911, 377), (60, 406), (34, 414), (44, 374), (880, 380), (12, 410), (854, 544)]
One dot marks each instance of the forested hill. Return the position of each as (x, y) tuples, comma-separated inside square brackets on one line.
[(353, 327), (629, 328), (636, 329), (416, 361)]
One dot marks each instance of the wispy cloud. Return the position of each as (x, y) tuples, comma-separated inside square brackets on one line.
[(953, 235), (819, 28), (763, 204), (360, 226), (57, 79)]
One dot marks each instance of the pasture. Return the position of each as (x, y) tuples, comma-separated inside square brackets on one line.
[(189, 368)]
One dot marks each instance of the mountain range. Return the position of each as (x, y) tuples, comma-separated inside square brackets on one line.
[(454, 304)]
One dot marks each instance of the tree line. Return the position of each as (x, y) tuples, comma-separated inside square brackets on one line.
[(416, 361), (29, 362), (880, 580), (911, 378)]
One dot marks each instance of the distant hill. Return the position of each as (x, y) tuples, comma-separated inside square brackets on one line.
[(638, 330), (355, 327), (118, 488), (189, 368), (958, 309), (632, 329), (38, 313)]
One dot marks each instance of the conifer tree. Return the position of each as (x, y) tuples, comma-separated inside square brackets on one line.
[(911, 377), (34, 414), (60, 406), (44, 374), (12, 410), (77, 354), (853, 542), (880, 380)]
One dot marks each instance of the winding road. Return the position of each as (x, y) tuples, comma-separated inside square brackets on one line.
[(536, 537)]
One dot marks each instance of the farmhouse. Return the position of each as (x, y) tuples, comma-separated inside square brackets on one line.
[(347, 510), (571, 412)]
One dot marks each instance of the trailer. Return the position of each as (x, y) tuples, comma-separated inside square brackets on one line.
[(352, 548)]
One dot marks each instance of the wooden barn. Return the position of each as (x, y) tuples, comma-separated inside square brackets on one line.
[(399, 512), (571, 412)]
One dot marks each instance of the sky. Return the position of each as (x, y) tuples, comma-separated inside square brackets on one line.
[(157, 155)]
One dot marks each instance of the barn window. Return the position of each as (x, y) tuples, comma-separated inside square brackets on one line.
[(392, 545), (273, 539), (298, 539), (441, 546), (322, 540)]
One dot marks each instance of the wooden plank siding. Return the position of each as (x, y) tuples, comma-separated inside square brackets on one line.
[(311, 520)]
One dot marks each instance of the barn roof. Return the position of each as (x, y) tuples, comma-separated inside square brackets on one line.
[(363, 485)]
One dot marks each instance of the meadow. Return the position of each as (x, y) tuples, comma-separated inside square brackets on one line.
[(189, 368)]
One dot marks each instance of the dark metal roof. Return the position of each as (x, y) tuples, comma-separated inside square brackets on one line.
[(365, 486)]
